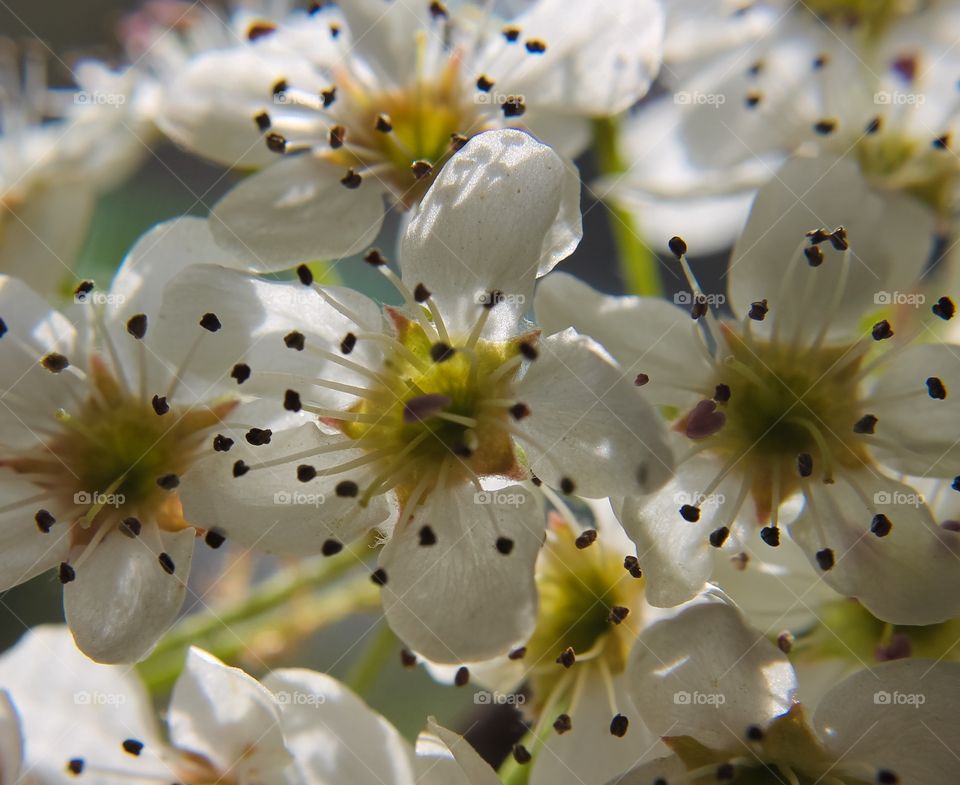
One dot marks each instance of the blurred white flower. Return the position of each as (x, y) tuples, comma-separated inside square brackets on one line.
[(725, 700), (420, 406), (59, 150), (371, 98), (96, 723), (800, 394)]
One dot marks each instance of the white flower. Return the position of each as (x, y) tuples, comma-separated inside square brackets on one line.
[(868, 81), (568, 678), (97, 434), (724, 699), (59, 150), (11, 742), (417, 406), (798, 395), (96, 723), (388, 94)]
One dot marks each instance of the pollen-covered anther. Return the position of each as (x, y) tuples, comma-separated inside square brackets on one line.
[(375, 258), (295, 340), (132, 746), (383, 123), (214, 538), (222, 443), (336, 137), (641, 379), (276, 143), (137, 326), (586, 539), (55, 362), (758, 310), (881, 331), (528, 350), (304, 275), (291, 401), (130, 527), (619, 725), (562, 724), (677, 246), (617, 614), (258, 437), (752, 99), (535, 46), (873, 126), (407, 658), (66, 573), (504, 545), (240, 373), (518, 653), (347, 489), (825, 559), (351, 179), (458, 141), (483, 84), (690, 513), (462, 676), (514, 106), (331, 547), (160, 405), (421, 293), (705, 420), (936, 388), (632, 565), (567, 657), (804, 464), (240, 469), (421, 169), (521, 754), (755, 733), (887, 777), (825, 127), (348, 343), (328, 96), (75, 766), (944, 308), (168, 481), (770, 535), (438, 10), (210, 322), (511, 33), (166, 562), (379, 576), (44, 521), (262, 121), (427, 536), (306, 472), (881, 525), (699, 308), (721, 393), (814, 255), (866, 424), (719, 536), (519, 411)]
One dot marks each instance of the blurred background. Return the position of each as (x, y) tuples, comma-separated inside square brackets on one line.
[(172, 183)]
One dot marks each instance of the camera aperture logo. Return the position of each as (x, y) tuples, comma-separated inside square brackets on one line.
[(684, 698), (299, 498)]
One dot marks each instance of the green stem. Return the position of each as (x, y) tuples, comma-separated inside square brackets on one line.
[(639, 265), (363, 676)]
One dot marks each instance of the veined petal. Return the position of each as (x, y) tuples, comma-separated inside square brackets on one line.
[(226, 716), (705, 673), (502, 211), (446, 758), (383, 35), (588, 423), (462, 599), (122, 600)]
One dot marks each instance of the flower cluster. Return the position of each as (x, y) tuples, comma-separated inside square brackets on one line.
[(702, 530)]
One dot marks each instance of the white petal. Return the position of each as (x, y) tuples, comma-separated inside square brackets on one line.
[(675, 554), (899, 716), (25, 551), (270, 510), (11, 741), (84, 710), (334, 736), (589, 754), (228, 717), (588, 422), (667, 769), (383, 35), (919, 432), (122, 599), (502, 211), (461, 599), (890, 239), (706, 674), (645, 334), (210, 105), (909, 576), (446, 758), (297, 210)]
